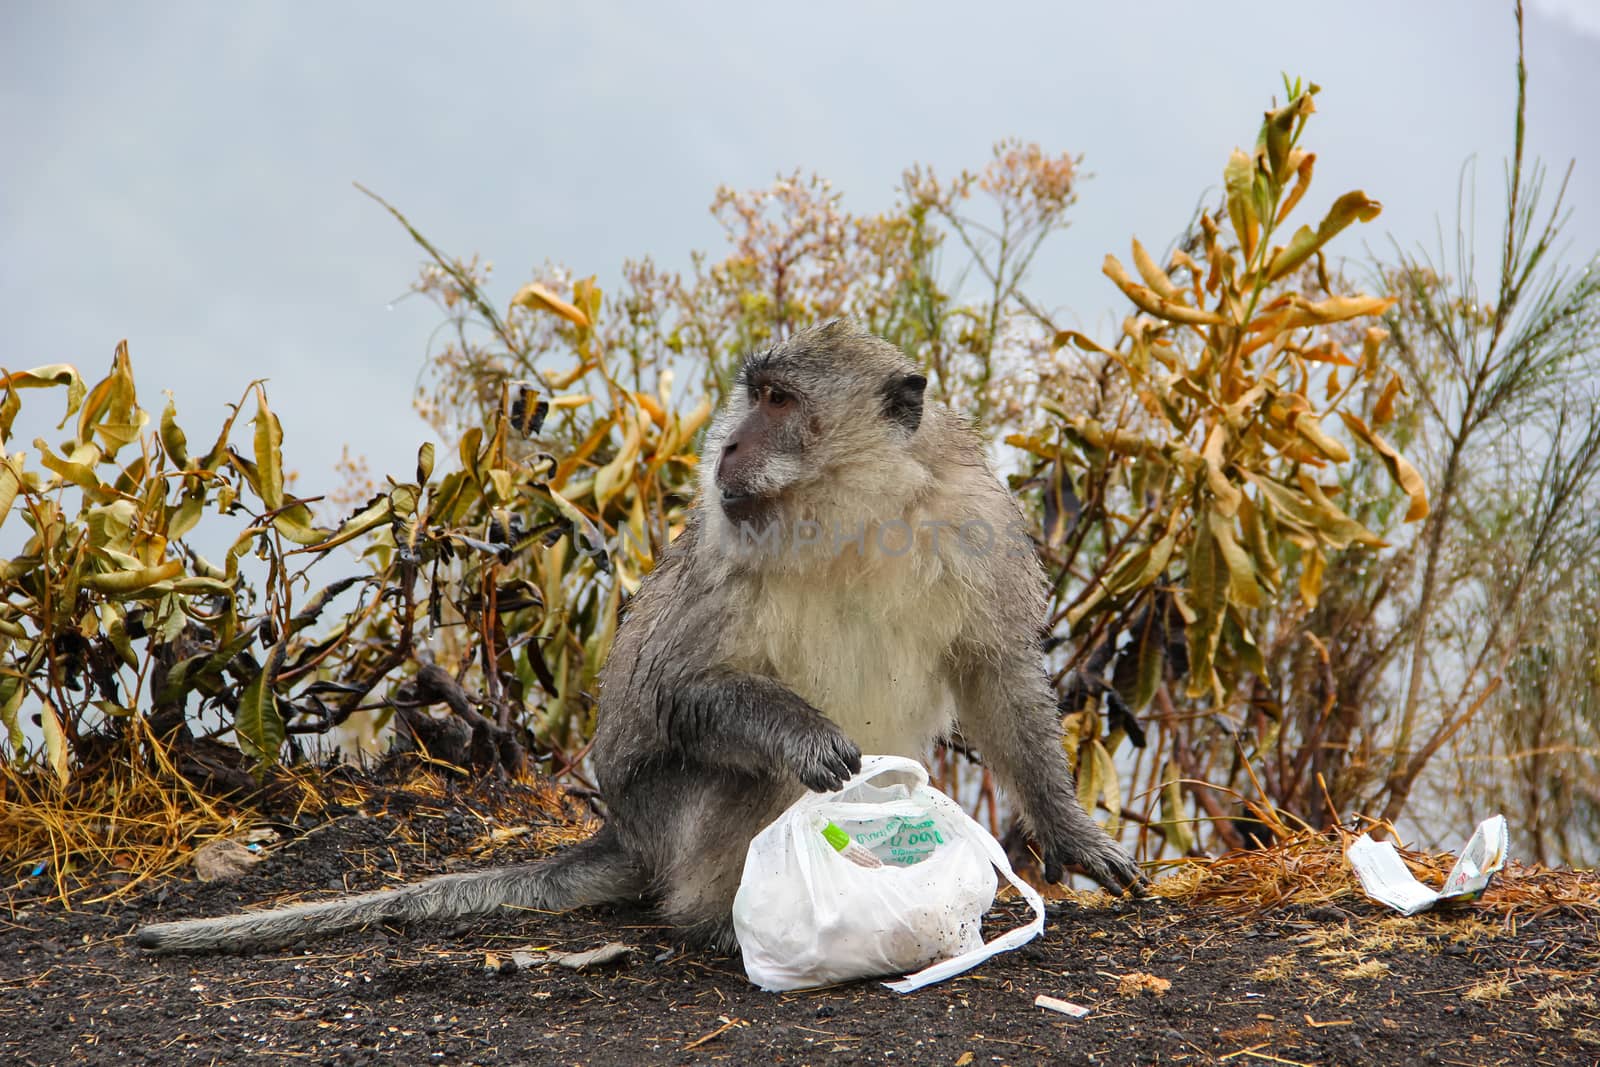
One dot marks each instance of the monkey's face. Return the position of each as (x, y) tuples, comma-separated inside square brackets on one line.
[(761, 455), (816, 429)]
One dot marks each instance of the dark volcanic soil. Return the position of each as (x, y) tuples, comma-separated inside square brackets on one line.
[(1324, 986)]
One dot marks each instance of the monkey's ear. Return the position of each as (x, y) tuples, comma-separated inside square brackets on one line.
[(902, 400)]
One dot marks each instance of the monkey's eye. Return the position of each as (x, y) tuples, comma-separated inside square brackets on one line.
[(774, 396)]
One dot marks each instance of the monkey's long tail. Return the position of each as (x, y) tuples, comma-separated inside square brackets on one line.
[(595, 871)]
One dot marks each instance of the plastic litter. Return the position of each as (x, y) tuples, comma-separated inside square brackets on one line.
[(1388, 880), (810, 912)]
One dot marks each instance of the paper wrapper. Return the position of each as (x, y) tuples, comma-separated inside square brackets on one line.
[(1388, 880)]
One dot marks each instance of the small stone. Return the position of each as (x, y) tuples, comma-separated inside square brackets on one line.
[(615, 952), (222, 860)]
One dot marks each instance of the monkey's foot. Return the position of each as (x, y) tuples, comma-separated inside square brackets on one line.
[(1107, 862)]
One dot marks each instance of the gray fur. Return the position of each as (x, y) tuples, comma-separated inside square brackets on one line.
[(754, 664), (591, 872)]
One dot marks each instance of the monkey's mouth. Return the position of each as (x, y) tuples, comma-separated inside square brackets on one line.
[(738, 505)]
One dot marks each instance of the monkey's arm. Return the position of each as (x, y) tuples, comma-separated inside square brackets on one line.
[(1007, 711), (750, 722)]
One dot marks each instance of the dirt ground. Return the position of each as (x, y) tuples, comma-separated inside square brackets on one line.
[(1326, 985)]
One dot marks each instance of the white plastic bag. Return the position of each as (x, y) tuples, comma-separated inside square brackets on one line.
[(807, 915)]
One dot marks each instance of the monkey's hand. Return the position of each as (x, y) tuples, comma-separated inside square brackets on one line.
[(755, 722), (820, 754), (1101, 859)]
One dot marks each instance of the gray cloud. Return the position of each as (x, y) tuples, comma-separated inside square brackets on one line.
[(179, 174), (1581, 15)]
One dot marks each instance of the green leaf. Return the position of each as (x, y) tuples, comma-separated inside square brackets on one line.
[(125, 582), (1255, 541), (1110, 787), (1088, 778), (1061, 505), (1403, 473), (111, 411), (1332, 517), (1244, 642), (44, 377), (1277, 135), (1150, 301), (1321, 518), (294, 523), (1238, 179), (1174, 825), (448, 500), (55, 743), (220, 451), (1242, 586), (1207, 596), (80, 474), (1152, 665), (114, 626), (172, 437), (8, 413), (189, 674), (368, 518), (1309, 429), (269, 453), (1349, 208), (184, 517), (111, 525), (10, 483), (203, 586), (500, 486), (1311, 569), (1140, 568), (11, 693), (1226, 494), (468, 448), (257, 724)]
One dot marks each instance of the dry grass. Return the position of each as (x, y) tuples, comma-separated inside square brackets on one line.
[(1353, 952), (1488, 990), (1554, 1006), (1397, 932), (1309, 869), (139, 818), (1275, 969)]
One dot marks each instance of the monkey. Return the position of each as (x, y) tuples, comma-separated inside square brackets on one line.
[(852, 577)]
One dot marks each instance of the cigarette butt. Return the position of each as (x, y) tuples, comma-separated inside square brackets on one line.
[(1065, 1007)]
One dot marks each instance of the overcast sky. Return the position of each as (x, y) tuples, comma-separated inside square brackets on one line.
[(179, 174)]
